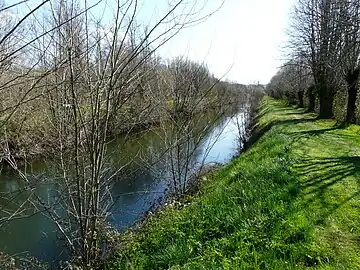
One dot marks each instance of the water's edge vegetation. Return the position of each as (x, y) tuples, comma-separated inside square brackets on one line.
[(289, 201)]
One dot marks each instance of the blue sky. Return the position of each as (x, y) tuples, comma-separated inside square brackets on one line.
[(245, 36), (243, 41)]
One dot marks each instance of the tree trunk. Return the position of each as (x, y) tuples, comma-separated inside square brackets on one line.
[(352, 79), (300, 95), (311, 96), (326, 98)]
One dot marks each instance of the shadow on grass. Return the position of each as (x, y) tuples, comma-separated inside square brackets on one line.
[(315, 132), (286, 110), (259, 131), (323, 174), (299, 112), (329, 168), (276, 107), (327, 182)]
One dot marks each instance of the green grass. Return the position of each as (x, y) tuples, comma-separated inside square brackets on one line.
[(291, 201)]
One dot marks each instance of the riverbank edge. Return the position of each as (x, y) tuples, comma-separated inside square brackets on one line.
[(179, 201), (207, 172), (46, 147), (163, 243)]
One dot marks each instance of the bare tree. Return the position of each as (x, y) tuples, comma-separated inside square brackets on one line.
[(95, 76), (349, 53), (82, 75), (316, 37), (291, 82), (184, 96)]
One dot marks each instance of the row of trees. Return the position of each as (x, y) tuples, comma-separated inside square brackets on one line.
[(325, 48)]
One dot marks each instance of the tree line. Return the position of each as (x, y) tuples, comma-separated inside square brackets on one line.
[(323, 71)]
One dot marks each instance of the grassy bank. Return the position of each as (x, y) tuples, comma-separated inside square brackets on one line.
[(291, 201)]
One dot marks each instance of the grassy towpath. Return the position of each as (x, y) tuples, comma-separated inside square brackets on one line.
[(291, 201)]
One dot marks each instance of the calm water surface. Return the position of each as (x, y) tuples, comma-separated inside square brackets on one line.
[(139, 187)]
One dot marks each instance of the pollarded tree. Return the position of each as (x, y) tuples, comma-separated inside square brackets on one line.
[(303, 78), (349, 60), (316, 35), (291, 82)]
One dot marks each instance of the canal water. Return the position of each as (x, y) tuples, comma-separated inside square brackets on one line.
[(141, 185)]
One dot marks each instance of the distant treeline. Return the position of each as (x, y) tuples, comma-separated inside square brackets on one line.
[(323, 71), (161, 88)]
